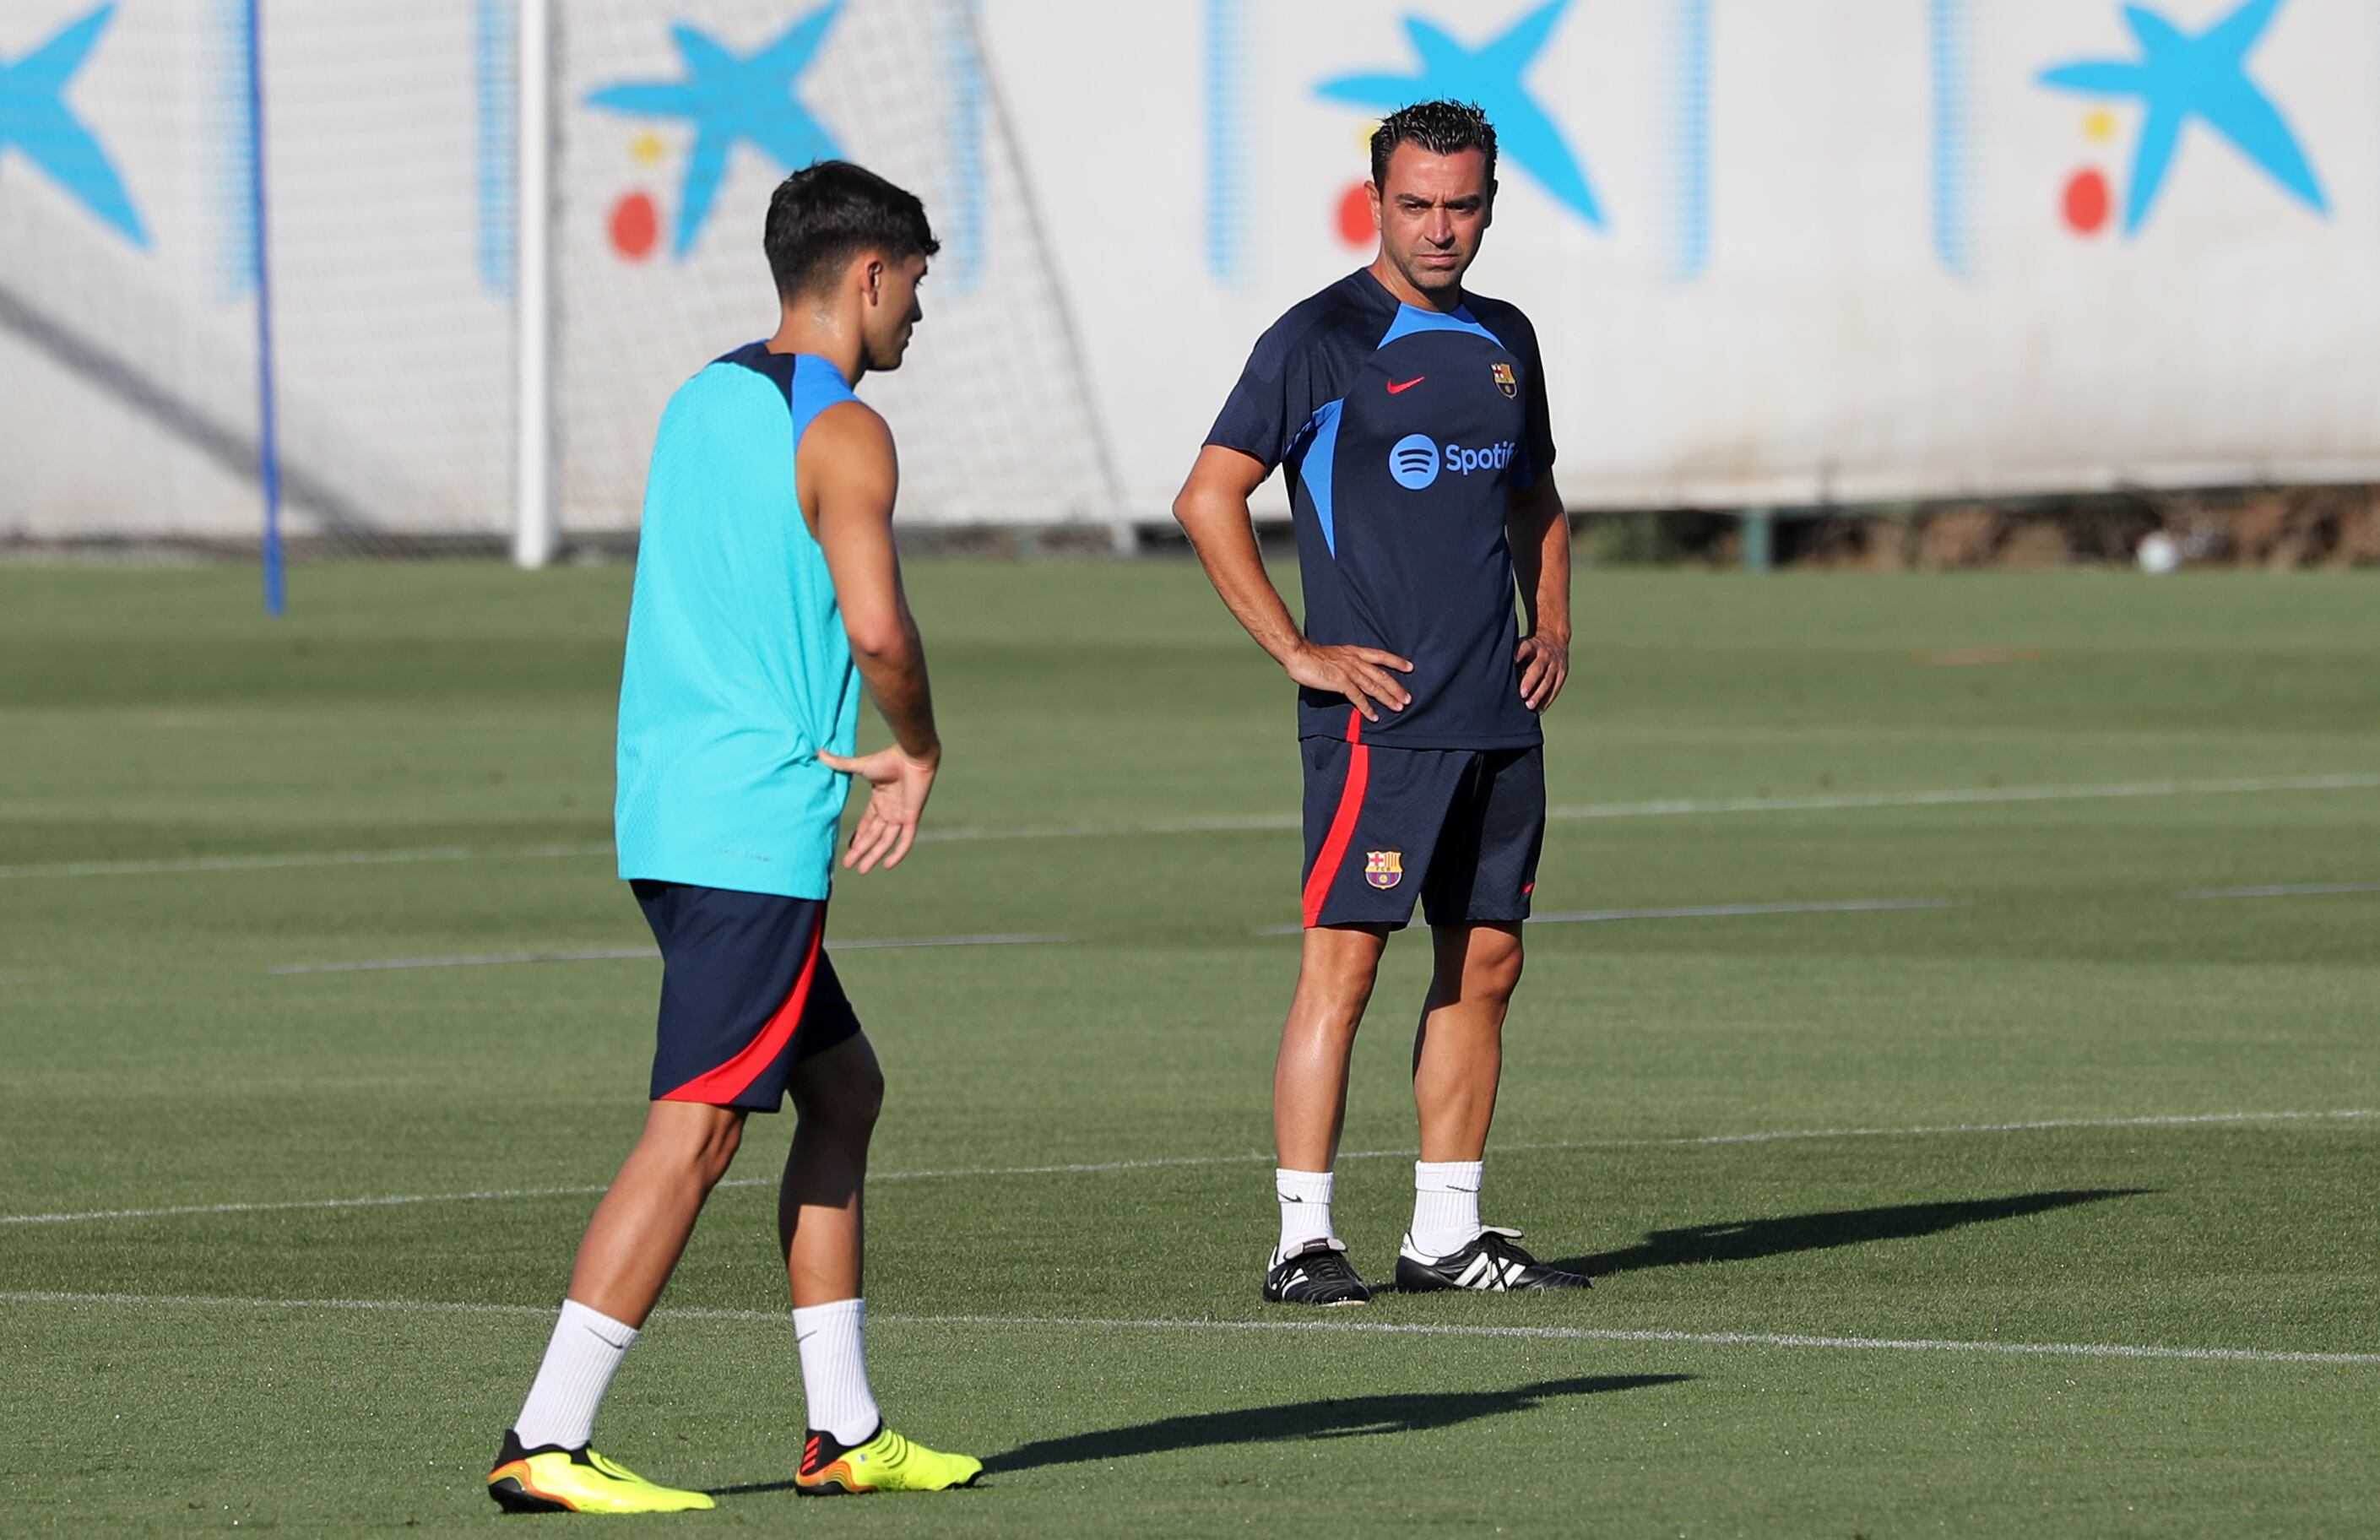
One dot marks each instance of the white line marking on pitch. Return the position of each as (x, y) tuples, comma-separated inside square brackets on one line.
[(1719, 912), (1668, 808), (623, 954), (1700, 1339), (2283, 890), (1733, 911), (620, 954), (1387, 1329), (1975, 795), (1685, 1141), (303, 858)]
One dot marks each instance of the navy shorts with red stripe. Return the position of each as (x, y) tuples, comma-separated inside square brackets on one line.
[(747, 993), (1463, 828)]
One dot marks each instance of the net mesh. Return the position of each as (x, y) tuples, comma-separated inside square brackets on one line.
[(990, 411), (127, 323), (105, 346), (128, 328)]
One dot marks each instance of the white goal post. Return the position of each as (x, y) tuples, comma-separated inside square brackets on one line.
[(536, 532), (641, 202)]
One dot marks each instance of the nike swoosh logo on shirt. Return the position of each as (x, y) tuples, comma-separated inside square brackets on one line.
[(1395, 389)]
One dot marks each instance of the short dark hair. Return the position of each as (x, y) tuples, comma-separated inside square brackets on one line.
[(829, 212), (1440, 127)]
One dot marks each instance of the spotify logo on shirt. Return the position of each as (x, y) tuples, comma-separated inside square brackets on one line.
[(1413, 461), (1416, 460)]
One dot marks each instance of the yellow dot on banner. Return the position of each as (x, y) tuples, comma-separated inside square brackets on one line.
[(2099, 125), (648, 148), (1364, 140)]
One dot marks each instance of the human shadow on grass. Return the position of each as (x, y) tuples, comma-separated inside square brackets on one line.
[(1749, 1240), (1355, 1416)]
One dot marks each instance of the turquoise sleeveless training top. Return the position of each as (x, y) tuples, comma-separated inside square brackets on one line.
[(739, 672)]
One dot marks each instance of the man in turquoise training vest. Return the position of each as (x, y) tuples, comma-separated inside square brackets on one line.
[(767, 589)]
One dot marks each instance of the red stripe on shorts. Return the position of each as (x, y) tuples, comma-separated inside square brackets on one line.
[(1342, 822), (720, 1087)]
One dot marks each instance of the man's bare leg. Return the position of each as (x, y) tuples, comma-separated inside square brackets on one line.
[(1309, 1078), (1458, 1058), (837, 1096), (624, 1260), (1309, 1108), (1459, 1047), (639, 1229)]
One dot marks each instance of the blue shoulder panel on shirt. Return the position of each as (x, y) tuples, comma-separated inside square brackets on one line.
[(817, 384), (810, 383), (1413, 318), (1321, 449)]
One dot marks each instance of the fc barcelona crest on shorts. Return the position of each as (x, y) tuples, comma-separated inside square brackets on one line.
[(1384, 868), (1504, 379)]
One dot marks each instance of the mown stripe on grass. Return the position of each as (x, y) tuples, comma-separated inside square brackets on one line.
[(1665, 807), (1385, 1329), (2283, 890), (1770, 1136), (1719, 912), (640, 954), (303, 858), (1738, 911), (627, 954)]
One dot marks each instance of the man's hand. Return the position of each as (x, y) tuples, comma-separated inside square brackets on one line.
[(1361, 674), (889, 826), (1545, 666)]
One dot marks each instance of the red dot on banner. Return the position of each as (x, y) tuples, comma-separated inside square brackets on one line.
[(2086, 201), (635, 227), (1356, 216)]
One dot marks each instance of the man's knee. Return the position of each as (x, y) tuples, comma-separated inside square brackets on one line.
[(843, 1086), (1491, 962), (1336, 972), (1495, 961), (701, 1139)]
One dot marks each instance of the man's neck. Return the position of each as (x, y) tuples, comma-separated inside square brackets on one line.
[(1406, 292), (822, 338)]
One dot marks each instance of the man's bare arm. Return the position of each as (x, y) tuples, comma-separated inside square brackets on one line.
[(1213, 511), (1538, 528), (849, 474)]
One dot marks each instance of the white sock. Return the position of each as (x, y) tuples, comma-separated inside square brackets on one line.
[(835, 1370), (1446, 1206), (1304, 1207), (580, 1360)]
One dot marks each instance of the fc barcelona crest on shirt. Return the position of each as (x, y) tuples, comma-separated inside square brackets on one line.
[(1384, 868), (1504, 379)]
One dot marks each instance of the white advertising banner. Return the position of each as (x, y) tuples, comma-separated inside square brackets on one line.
[(1778, 251)]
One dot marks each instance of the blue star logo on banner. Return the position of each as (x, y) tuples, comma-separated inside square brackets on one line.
[(2177, 78), (36, 122), (728, 97), (1490, 75)]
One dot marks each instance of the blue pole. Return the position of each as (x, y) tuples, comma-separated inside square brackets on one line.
[(268, 447)]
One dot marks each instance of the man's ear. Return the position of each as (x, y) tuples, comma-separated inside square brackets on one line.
[(875, 280)]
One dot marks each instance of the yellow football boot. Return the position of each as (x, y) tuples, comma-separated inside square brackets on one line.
[(554, 1480), (886, 1462)]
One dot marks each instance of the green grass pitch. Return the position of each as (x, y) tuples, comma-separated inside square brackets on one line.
[(1790, 1336)]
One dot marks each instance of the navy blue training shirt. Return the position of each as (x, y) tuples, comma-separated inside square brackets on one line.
[(1403, 433)]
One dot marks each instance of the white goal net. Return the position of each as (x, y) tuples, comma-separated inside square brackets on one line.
[(665, 179), (129, 280)]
